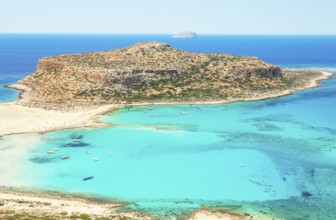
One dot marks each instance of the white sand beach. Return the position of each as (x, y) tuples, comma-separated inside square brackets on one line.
[(14, 149), (15, 118)]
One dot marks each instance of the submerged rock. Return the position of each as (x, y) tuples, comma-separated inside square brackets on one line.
[(42, 160), (76, 144), (306, 194)]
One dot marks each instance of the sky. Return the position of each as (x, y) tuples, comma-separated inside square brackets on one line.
[(168, 16)]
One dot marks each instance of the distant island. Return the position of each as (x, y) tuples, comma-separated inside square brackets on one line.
[(155, 72), (189, 34)]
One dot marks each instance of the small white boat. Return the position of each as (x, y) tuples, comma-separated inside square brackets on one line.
[(110, 154), (87, 152), (64, 157), (51, 152), (183, 113), (55, 149), (96, 158)]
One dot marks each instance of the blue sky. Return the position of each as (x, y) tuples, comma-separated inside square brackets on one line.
[(169, 16)]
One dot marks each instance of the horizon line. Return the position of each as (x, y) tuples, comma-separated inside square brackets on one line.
[(200, 34)]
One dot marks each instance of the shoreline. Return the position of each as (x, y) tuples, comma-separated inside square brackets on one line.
[(57, 206), (256, 97), (54, 205), (19, 119)]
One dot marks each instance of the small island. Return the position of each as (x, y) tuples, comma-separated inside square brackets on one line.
[(150, 73), (189, 34), (70, 91)]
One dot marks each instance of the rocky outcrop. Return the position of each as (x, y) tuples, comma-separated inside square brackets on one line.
[(46, 65), (148, 72), (270, 72)]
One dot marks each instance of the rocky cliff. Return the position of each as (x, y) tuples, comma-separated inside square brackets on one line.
[(149, 72)]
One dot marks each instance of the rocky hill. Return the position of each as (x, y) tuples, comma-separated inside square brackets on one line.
[(150, 72)]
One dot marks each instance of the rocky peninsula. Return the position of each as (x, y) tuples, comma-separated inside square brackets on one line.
[(71, 91), (150, 73)]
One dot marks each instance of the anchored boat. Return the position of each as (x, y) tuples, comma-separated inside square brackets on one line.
[(64, 157), (88, 178)]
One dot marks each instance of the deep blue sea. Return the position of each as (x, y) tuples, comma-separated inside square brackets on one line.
[(273, 156)]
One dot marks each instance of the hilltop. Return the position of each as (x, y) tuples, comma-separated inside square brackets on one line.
[(154, 72)]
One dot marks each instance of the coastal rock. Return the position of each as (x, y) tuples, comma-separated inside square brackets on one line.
[(147, 72), (189, 34)]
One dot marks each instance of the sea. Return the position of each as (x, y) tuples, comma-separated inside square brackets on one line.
[(275, 156)]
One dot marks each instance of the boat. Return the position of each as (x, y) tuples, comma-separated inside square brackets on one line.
[(87, 152), (150, 109), (55, 149), (64, 157), (76, 140), (96, 158), (51, 152), (183, 113), (88, 178), (110, 154)]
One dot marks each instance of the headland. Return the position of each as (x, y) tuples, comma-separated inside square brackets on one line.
[(71, 91)]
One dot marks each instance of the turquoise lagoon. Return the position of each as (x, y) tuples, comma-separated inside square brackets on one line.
[(273, 152), (273, 156)]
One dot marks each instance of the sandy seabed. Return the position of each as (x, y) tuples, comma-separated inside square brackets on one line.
[(16, 119)]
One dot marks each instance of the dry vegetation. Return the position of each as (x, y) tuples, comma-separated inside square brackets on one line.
[(51, 208), (154, 72)]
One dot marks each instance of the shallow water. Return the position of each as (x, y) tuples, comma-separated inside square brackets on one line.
[(266, 151), (8, 95), (149, 164), (254, 156)]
